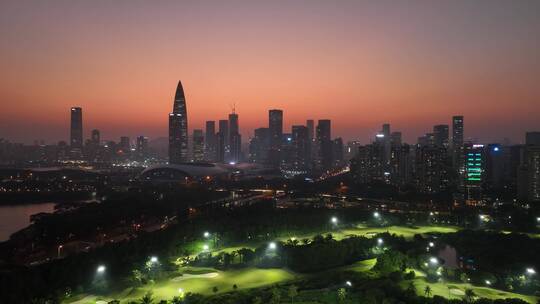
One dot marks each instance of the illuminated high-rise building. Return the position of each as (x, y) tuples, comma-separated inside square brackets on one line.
[(178, 128), (440, 135), (431, 172), (474, 172), (457, 143), (352, 149), (198, 145), (387, 143), (337, 152), (301, 143), (222, 139), (235, 138), (530, 168), (259, 146)]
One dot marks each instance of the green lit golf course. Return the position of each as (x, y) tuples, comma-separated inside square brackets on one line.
[(209, 281), (457, 290), (202, 282)]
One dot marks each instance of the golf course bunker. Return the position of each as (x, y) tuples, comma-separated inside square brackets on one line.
[(188, 276), (457, 292)]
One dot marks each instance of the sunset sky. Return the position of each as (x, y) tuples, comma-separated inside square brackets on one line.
[(360, 63)]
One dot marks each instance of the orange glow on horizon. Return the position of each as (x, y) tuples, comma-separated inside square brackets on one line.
[(359, 65)]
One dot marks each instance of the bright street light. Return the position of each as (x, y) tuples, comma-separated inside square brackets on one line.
[(101, 269), (154, 259), (433, 260), (334, 220), (488, 282), (272, 246), (431, 244), (380, 241), (348, 283), (531, 271), (206, 234), (376, 214)]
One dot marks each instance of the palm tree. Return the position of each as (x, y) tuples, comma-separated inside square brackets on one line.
[(177, 300), (147, 298), (293, 292), (233, 254), (342, 294), (427, 291), (469, 295)]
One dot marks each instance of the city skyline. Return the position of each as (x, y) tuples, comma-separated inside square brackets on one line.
[(358, 64)]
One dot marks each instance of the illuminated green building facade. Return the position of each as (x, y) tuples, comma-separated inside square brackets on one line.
[(474, 172)]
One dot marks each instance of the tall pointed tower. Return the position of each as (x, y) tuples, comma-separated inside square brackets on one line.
[(178, 128)]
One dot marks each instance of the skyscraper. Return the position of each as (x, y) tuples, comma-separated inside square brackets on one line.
[(258, 146), (457, 143), (387, 143), (198, 145), (235, 138), (125, 146), (311, 129), (76, 134), (142, 147), (324, 141), (178, 128), (430, 170), (474, 172), (300, 141), (532, 138), (210, 143), (275, 128), (222, 136), (530, 168), (95, 138), (337, 152), (395, 139), (441, 134)]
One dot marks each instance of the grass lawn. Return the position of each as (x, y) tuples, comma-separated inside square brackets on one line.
[(361, 266), (339, 234), (457, 290), (407, 232), (200, 282), (197, 280), (362, 230)]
